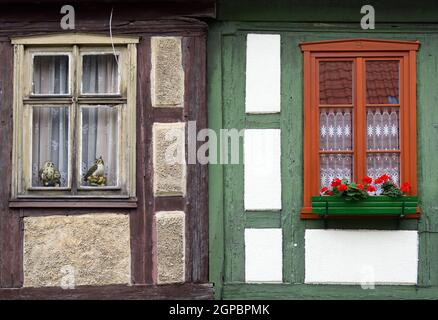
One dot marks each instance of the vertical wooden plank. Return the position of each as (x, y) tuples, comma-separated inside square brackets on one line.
[(11, 270), (234, 111), (215, 172), (288, 214), (197, 179), (141, 219)]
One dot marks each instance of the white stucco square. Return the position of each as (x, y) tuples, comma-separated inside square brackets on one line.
[(361, 256), (263, 73), (263, 255), (262, 173)]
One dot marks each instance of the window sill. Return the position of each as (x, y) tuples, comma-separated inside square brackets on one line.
[(74, 203), (373, 207)]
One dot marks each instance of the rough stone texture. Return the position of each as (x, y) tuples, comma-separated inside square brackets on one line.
[(170, 246), (167, 73), (95, 246), (169, 159)]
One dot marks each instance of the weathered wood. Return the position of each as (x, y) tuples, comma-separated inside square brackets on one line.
[(140, 241), (100, 10), (10, 228), (169, 203), (174, 27), (197, 179), (66, 203), (185, 291)]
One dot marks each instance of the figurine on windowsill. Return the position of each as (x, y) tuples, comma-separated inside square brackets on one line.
[(96, 174), (49, 176)]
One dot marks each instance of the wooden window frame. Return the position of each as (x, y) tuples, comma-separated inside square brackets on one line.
[(358, 50), (75, 46)]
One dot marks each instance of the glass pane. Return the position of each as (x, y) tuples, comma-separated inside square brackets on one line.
[(99, 146), (383, 129), (382, 81), (384, 163), (335, 129), (335, 82), (100, 74), (335, 166), (50, 74), (50, 133)]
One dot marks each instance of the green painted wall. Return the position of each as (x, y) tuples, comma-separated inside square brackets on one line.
[(226, 85)]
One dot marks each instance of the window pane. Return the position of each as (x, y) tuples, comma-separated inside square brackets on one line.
[(335, 166), (335, 82), (50, 74), (335, 129), (383, 129), (50, 133), (99, 146), (382, 81), (100, 74), (384, 163)]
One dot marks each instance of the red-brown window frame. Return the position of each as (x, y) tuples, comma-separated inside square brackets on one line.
[(358, 50)]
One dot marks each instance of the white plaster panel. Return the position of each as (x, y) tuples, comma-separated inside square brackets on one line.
[(263, 73), (361, 256), (263, 255), (262, 174)]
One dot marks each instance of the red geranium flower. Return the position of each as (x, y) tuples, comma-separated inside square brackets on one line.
[(342, 187), (367, 180), (336, 182), (359, 186), (378, 180), (323, 190), (385, 177), (405, 187), (371, 188)]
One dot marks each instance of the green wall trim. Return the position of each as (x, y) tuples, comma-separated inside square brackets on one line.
[(263, 219), (323, 11), (314, 292)]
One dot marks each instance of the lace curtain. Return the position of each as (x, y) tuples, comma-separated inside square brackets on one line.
[(99, 131), (100, 139), (50, 127), (100, 74), (50, 74)]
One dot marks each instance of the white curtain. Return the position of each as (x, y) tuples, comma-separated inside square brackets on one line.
[(50, 126), (100, 74), (50, 74), (100, 139)]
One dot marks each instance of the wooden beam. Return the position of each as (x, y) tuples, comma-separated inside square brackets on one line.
[(187, 291)]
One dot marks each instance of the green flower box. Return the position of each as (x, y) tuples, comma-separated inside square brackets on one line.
[(372, 206)]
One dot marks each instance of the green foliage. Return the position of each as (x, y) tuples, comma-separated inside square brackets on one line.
[(353, 193), (391, 190)]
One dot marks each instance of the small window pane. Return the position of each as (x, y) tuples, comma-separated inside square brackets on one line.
[(50, 133), (99, 146), (335, 131), (50, 74), (383, 129), (100, 74), (382, 81), (335, 166), (335, 82), (384, 163)]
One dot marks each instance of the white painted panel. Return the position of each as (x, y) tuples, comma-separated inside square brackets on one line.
[(363, 257), (263, 255), (262, 169), (263, 73)]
